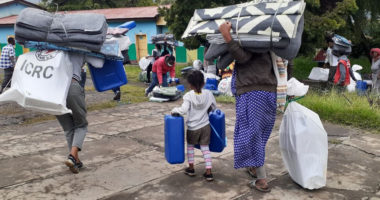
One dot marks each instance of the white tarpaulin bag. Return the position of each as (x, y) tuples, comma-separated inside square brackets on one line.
[(224, 86), (352, 86), (304, 146), (319, 74), (144, 63), (296, 88), (40, 82)]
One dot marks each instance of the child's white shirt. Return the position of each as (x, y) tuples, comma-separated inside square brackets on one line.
[(195, 106)]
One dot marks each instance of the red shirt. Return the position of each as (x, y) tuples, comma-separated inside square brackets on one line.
[(161, 68), (346, 65)]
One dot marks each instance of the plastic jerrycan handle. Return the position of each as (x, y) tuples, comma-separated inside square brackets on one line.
[(218, 112)]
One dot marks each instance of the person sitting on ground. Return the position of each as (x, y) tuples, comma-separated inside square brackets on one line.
[(7, 62), (375, 67), (196, 104), (160, 69)]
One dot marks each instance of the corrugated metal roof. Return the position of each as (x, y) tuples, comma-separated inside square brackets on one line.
[(149, 12), (7, 2), (10, 20), (124, 13)]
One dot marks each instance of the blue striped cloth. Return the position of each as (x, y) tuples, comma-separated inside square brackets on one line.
[(5, 60)]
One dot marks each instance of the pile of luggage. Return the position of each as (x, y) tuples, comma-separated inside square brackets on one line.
[(164, 39)]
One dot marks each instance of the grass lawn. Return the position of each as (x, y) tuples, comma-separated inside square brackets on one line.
[(347, 108), (134, 91)]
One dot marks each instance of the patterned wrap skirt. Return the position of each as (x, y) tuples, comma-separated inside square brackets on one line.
[(255, 118)]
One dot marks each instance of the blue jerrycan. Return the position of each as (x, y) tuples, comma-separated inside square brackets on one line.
[(174, 139), (361, 87), (211, 84), (218, 139), (111, 75)]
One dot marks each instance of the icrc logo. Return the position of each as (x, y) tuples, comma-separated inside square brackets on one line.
[(44, 55)]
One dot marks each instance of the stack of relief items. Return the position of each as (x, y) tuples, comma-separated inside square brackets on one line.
[(87, 30), (259, 26), (164, 38)]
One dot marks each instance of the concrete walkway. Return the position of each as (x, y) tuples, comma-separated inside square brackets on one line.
[(124, 159)]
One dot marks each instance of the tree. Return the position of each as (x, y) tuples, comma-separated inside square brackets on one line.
[(180, 12), (165, 2), (51, 5), (365, 27), (322, 16)]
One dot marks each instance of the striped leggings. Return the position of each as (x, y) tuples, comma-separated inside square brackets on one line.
[(206, 154)]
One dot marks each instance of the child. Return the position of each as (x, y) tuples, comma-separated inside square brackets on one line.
[(196, 105)]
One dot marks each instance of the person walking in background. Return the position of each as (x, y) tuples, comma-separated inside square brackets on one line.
[(196, 105), (160, 69), (375, 67), (343, 73), (7, 63), (331, 60), (75, 124), (254, 85)]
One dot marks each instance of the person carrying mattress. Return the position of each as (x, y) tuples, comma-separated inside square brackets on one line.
[(342, 49), (254, 85)]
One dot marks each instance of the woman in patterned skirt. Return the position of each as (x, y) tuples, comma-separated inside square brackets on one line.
[(254, 85)]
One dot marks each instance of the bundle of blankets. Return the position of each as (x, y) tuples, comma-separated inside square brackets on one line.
[(164, 39), (82, 30), (259, 26)]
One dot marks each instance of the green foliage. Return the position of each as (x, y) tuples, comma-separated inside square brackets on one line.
[(64, 5), (364, 62), (334, 107), (357, 20), (318, 21), (180, 13), (165, 2), (302, 67)]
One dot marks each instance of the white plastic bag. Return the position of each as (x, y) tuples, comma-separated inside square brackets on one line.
[(41, 81), (211, 69), (224, 86), (210, 76), (296, 88), (319, 74), (352, 86), (197, 64), (144, 63), (304, 146)]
